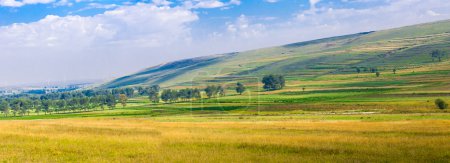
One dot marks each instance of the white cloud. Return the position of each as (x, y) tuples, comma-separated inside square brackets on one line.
[(161, 2), (63, 3), (103, 42), (193, 4), (393, 14), (10, 3), (313, 3), (432, 13), (14, 3), (124, 25), (243, 28)]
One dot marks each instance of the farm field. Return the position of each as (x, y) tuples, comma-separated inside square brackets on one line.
[(262, 139)]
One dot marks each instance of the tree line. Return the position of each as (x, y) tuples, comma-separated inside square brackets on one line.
[(24, 106), (99, 99)]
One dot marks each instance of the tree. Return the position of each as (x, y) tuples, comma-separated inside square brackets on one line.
[(221, 91), (184, 94), (129, 92), (153, 93), (123, 100), (84, 103), (88, 93), (35, 106), (439, 54), (273, 82), (102, 101), (61, 104), (4, 107), (25, 107), (441, 104), (141, 90), (212, 90), (73, 104), (378, 74), (358, 70), (394, 70), (16, 106), (240, 88), (111, 101), (196, 94), (155, 88), (38, 108), (169, 95), (45, 106)]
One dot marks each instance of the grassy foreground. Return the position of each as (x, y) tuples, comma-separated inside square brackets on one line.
[(247, 140)]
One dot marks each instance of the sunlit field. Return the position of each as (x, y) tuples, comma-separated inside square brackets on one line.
[(282, 140)]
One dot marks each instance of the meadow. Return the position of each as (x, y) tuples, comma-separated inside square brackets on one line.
[(185, 139)]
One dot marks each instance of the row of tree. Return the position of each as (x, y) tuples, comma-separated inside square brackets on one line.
[(87, 100), (24, 106), (188, 94)]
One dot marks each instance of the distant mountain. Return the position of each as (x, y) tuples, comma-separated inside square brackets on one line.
[(394, 48)]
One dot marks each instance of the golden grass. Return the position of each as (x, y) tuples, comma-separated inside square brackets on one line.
[(143, 140)]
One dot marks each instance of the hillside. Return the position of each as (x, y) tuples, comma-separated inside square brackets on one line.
[(400, 48)]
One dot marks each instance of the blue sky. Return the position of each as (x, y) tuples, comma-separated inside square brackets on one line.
[(64, 40)]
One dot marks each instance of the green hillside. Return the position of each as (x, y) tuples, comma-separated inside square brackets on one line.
[(400, 48)]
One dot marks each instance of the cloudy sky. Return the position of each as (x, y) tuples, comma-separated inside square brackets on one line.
[(66, 40)]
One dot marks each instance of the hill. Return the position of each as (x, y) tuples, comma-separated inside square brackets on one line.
[(400, 48)]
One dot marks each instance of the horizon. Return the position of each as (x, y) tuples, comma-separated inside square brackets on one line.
[(102, 40)]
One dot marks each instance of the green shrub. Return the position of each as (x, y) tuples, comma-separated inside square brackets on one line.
[(441, 104)]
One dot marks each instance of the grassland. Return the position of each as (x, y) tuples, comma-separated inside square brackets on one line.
[(247, 140), (402, 48)]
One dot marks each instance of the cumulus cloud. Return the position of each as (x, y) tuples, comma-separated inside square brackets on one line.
[(14, 3), (161, 2), (393, 14), (127, 33), (193, 4), (149, 24), (243, 28)]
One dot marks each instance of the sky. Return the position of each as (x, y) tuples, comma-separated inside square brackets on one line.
[(44, 41)]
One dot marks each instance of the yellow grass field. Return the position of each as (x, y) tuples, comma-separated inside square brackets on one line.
[(147, 140)]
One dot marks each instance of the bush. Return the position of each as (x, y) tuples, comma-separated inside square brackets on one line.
[(441, 104)]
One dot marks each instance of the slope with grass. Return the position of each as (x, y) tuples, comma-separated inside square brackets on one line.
[(401, 48)]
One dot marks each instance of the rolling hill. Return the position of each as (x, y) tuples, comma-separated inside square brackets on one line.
[(400, 48)]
